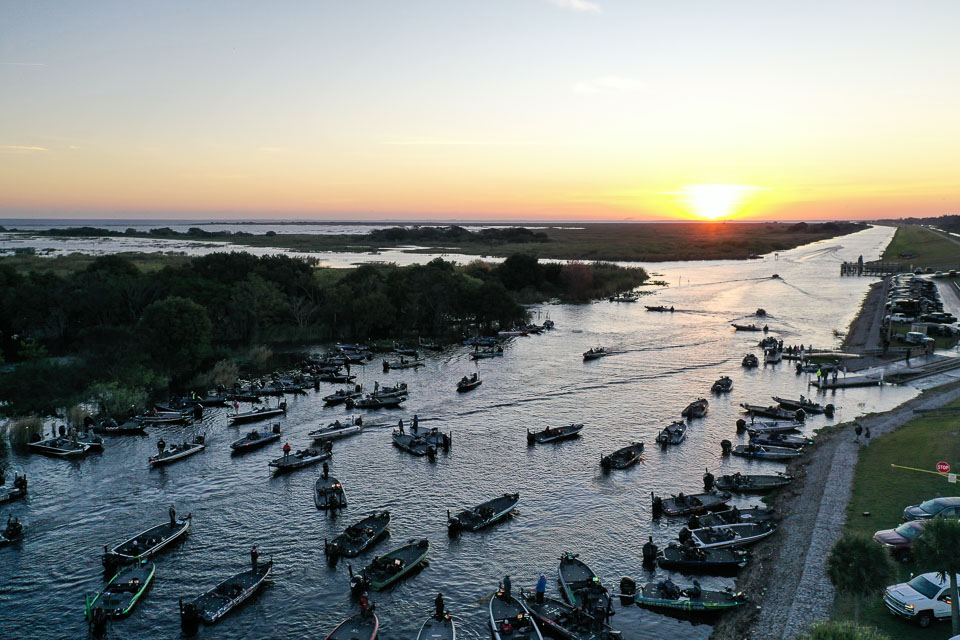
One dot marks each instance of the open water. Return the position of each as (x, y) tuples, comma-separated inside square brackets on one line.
[(566, 504)]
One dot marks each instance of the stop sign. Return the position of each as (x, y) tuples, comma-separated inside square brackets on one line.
[(943, 467)]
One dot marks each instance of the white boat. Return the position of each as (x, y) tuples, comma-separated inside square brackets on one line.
[(335, 430), (731, 535), (772, 356)]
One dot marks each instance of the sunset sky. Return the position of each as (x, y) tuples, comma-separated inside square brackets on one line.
[(475, 109)]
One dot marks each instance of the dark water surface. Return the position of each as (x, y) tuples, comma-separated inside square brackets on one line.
[(566, 504)]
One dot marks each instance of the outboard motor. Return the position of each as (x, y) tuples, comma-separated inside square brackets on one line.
[(328, 446), (828, 410), (198, 411), (98, 623), (708, 481), (628, 588), (447, 440), (530, 439), (189, 619), (358, 584), (276, 428), (741, 425), (684, 535), (605, 462), (800, 415), (726, 446), (650, 552), (453, 525), (799, 368), (657, 507), (432, 453)]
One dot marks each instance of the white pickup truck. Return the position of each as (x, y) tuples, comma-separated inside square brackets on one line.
[(924, 599)]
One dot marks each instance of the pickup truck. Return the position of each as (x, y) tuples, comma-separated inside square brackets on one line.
[(924, 599)]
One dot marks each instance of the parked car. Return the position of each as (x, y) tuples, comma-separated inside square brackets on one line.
[(924, 599), (915, 337), (944, 507), (899, 317), (899, 541)]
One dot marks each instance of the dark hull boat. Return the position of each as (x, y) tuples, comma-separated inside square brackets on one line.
[(433, 629), (722, 385), (706, 561), (748, 327), (328, 494), (340, 397), (15, 490), (807, 406), (122, 592), (487, 353), (128, 428), (359, 537), (730, 535), (357, 627), (392, 567), (413, 444), (696, 409), (758, 452), (255, 440), (335, 431), (749, 361), (560, 620), (263, 413), (773, 412), (468, 384), (300, 459), (768, 428), (595, 354), (579, 585), (733, 516), (683, 505), (484, 514), (402, 364), (780, 440), (672, 434), (661, 309), (433, 436), (623, 458), (653, 596), (335, 377), (58, 448), (747, 483), (12, 532), (554, 434), (176, 452), (374, 402), (146, 544), (224, 598), (164, 417), (510, 619)]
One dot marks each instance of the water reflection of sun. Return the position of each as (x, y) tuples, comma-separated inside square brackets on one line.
[(715, 201)]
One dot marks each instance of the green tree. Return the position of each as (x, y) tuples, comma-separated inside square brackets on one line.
[(859, 567), (939, 549), (175, 332)]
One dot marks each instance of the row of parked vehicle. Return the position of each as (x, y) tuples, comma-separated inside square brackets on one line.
[(913, 300), (925, 597)]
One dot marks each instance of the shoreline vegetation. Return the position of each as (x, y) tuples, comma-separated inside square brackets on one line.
[(647, 242), (148, 331)]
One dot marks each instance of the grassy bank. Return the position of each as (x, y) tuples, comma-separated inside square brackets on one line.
[(884, 492), (654, 242), (929, 248)]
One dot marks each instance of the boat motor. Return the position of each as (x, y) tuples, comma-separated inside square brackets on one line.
[(741, 425), (708, 480), (828, 410), (628, 587), (189, 618), (657, 506), (684, 535), (800, 415), (726, 446), (530, 439)]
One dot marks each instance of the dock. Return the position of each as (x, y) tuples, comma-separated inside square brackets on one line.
[(848, 382), (875, 268)]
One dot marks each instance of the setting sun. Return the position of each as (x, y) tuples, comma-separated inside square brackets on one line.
[(715, 201)]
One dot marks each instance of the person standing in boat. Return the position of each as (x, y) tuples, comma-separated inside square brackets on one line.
[(326, 470), (286, 451), (507, 586), (161, 445), (439, 604), (400, 425), (254, 557), (173, 517), (541, 588), (416, 423)]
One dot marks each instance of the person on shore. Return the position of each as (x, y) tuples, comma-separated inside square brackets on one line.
[(541, 588), (866, 435), (254, 556), (857, 430)]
